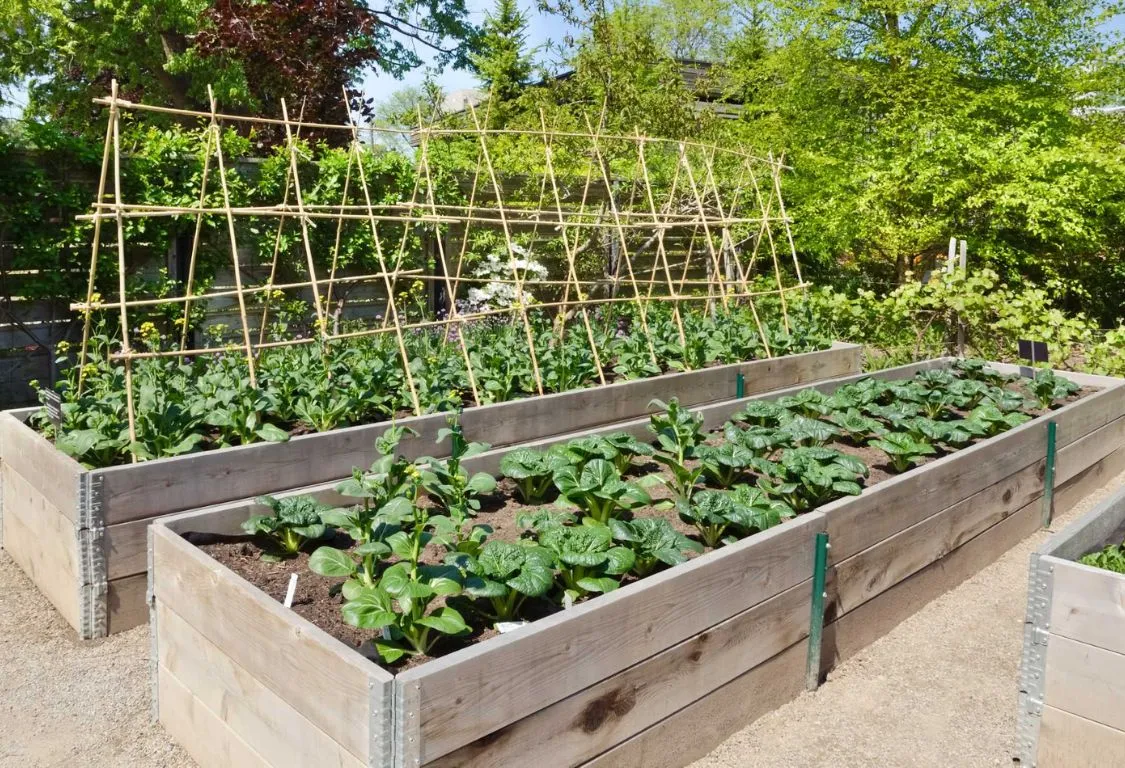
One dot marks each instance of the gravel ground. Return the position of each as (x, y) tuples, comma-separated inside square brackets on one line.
[(939, 690)]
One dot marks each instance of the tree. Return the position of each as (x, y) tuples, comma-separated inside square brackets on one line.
[(501, 60), (254, 52), (911, 122)]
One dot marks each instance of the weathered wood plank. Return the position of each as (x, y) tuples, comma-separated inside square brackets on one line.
[(320, 677), (126, 548), (522, 420), (582, 726), (570, 651), (693, 731), (1085, 680), (125, 603), (34, 458), (162, 486), (42, 542), (1101, 526), (1069, 741), (885, 564), (1088, 605), (855, 630), (202, 733), (860, 522), (262, 719)]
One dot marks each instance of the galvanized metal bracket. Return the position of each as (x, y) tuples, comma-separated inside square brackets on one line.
[(381, 706), (1033, 660), (93, 584), (408, 732)]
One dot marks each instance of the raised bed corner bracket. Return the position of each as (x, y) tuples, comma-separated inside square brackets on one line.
[(816, 617)]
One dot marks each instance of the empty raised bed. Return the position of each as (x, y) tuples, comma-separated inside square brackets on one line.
[(658, 671), (1072, 676), (80, 533)]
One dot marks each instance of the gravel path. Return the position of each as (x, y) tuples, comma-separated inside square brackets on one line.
[(939, 690)]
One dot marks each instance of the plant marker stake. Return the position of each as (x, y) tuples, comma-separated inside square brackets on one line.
[(1049, 477), (816, 620), (740, 386), (291, 591)]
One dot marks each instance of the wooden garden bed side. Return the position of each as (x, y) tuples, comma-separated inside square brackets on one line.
[(95, 575), (213, 477), (587, 723), (506, 700), (40, 525), (856, 524), (693, 731), (277, 685), (1072, 687)]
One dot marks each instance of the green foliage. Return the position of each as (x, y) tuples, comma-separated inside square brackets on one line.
[(597, 490), (295, 521), (1112, 558), (585, 556), (654, 542), (1049, 388), (506, 574), (678, 434), (903, 450), (533, 472), (501, 59), (456, 492)]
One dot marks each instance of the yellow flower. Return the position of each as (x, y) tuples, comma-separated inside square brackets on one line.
[(89, 369), (95, 298), (62, 347)]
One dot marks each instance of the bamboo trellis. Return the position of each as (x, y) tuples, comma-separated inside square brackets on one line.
[(625, 194)]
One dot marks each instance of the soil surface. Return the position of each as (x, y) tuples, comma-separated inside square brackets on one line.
[(317, 597)]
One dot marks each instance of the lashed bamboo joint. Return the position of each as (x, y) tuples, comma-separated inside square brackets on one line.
[(625, 221)]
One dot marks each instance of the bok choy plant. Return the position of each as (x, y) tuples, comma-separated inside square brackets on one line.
[(294, 522)]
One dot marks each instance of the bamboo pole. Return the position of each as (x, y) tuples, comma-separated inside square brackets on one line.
[(277, 243), (321, 324), (424, 161), (511, 252), (94, 249), (115, 119), (572, 272), (357, 149), (190, 285), (233, 245)]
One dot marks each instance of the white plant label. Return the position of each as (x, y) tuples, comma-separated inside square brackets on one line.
[(508, 626), (291, 591)]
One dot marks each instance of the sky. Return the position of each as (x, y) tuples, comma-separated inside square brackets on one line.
[(541, 29)]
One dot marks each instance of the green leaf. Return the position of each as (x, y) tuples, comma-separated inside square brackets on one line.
[(329, 561), (272, 434)]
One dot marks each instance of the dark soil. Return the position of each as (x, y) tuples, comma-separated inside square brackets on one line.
[(317, 600)]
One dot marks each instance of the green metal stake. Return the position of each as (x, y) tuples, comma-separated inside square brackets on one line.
[(740, 386), (816, 620), (1049, 477)]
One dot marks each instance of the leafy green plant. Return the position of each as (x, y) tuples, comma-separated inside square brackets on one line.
[(653, 541), (585, 557), (1112, 558), (855, 425), (1005, 400), (903, 450), (724, 516), (398, 607), (759, 440), (678, 434), (295, 521), (598, 491), (807, 477), (803, 431), (1048, 388), (808, 402), (455, 491), (994, 421), (533, 472), (761, 413), (722, 464), (967, 393), (506, 574)]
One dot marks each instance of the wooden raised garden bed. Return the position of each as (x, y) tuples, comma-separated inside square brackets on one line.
[(653, 674), (1072, 686), (80, 534)]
